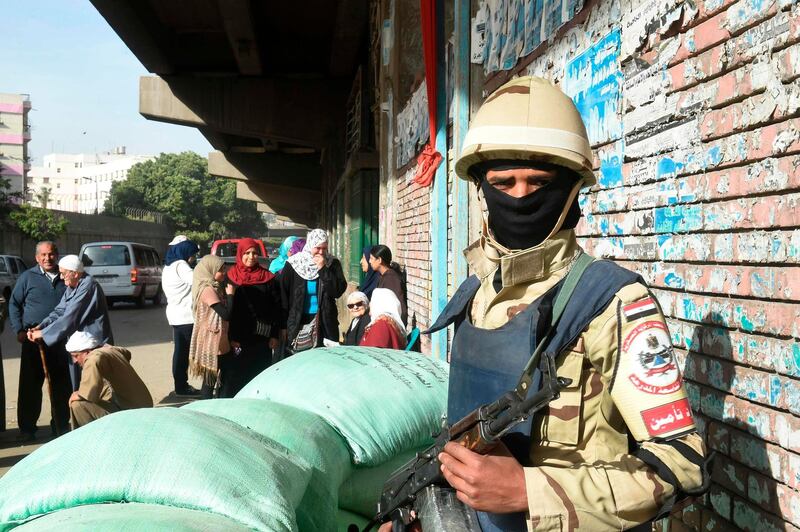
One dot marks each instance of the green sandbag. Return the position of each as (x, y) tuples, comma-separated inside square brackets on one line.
[(362, 490), (382, 401), (130, 518), (304, 434), (164, 456), (346, 520)]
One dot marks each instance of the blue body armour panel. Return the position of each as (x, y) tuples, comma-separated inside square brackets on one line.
[(486, 363)]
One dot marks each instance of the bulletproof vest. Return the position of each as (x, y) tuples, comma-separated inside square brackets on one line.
[(486, 363)]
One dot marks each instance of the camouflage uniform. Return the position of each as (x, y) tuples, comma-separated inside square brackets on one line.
[(582, 475)]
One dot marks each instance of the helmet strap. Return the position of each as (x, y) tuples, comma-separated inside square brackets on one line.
[(567, 206)]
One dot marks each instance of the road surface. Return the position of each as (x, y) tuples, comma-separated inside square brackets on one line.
[(144, 331)]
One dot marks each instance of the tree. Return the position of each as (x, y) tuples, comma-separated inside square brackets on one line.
[(202, 206), (38, 224)]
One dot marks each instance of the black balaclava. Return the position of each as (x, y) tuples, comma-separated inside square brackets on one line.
[(522, 223)]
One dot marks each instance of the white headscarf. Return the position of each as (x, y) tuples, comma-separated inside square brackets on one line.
[(303, 262), (384, 302)]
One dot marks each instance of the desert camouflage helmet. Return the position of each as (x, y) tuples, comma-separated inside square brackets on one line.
[(528, 119)]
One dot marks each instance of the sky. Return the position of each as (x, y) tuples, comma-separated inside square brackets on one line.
[(82, 80)]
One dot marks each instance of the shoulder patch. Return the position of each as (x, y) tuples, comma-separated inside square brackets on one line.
[(668, 417), (652, 361), (640, 309)]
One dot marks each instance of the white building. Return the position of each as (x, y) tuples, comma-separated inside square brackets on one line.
[(80, 182)]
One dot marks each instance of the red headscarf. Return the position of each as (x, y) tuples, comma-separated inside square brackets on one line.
[(240, 274)]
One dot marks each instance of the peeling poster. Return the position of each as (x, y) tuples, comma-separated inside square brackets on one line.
[(593, 82)]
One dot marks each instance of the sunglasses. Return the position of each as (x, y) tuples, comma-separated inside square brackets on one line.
[(351, 306)]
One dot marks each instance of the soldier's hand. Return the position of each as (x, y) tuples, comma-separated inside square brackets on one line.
[(489, 483), (22, 336)]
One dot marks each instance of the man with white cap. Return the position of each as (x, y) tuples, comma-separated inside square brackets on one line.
[(108, 383), (82, 308)]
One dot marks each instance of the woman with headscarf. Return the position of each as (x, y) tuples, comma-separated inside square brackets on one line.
[(211, 304), (283, 253), (358, 305), (385, 328), (297, 246), (255, 320), (176, 282), (310, 283), (371, 277)]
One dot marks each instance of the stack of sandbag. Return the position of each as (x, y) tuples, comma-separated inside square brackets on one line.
[(305, 446)]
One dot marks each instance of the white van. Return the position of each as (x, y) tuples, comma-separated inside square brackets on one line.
[(127, 271)]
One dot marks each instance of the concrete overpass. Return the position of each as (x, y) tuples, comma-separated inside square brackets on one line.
[(265, 82)]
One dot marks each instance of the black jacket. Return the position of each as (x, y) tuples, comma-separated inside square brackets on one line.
[(258, 301), (353, 335), (331, 285)]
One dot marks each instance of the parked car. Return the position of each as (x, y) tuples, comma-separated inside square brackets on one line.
[(226, 250), (127, 271), (11, 267)]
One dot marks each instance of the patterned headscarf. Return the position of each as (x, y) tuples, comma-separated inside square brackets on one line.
[(303, 262)]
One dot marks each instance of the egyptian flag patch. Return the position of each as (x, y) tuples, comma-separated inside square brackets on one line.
[(640, 309)]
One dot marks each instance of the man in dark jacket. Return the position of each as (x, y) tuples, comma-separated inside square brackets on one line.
[(36, 294)]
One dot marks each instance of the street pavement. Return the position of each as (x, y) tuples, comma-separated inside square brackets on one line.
[(144, 331)]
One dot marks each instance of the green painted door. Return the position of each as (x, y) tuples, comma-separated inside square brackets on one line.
[(364, 193)]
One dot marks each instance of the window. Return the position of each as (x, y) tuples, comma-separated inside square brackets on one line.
[(155, 257), (58, 203), (3, 268), (21, 264), (76, 181), (12, 265), (58, 185), (58, 170), (45, 180), (141, 259), (106, 255), (76, 165)]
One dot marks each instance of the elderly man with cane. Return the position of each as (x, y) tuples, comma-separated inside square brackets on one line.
[(82, 308), (36, 293)]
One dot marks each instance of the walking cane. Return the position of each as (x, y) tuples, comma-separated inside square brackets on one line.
[(49, 388)]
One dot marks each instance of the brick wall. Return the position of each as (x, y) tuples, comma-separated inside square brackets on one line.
[(412, 222), (693, 109), (699, 194)]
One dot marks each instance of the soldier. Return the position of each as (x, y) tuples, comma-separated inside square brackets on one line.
[(619, 445)]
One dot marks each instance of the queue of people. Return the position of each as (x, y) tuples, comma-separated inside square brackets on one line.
[(228, 323)]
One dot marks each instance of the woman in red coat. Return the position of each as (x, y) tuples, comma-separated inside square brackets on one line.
[(385, 328)]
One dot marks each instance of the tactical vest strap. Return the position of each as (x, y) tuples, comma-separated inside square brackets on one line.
[(564, 294)]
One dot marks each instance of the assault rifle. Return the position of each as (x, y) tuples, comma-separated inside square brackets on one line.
[(480, 431)]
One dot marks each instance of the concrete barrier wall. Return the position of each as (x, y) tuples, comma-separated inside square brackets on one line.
[(83, 228)]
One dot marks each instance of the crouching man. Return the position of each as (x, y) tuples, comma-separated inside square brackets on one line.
[(108, 381)]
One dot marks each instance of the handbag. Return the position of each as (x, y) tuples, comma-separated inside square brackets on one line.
[(307, 336), (261, 327)]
